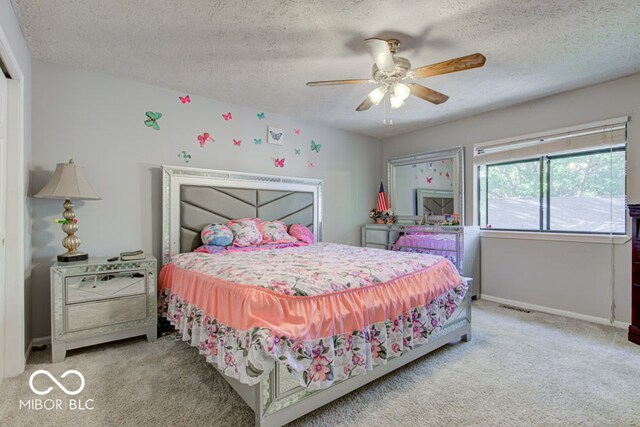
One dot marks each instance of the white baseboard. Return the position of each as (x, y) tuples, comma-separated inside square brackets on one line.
[(27, 353), (571, 314), (41, 341)]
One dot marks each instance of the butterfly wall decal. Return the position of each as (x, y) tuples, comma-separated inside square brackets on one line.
[(227, 116), (296, 150), (315, 147), (237, 142), (414, 166), (204, 138), (260, 116), (311, 164), (296, 131), (185, 156), (440, 173), (275, 135), (152, 120), (429, 180), (279, 163), (185, 99), (257, 141), (447, 175)]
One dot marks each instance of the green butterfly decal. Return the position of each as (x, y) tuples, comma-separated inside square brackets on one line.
[(152, 120), (257, 141), (185, 156), (296, 150), (260, 116), (315, 147)]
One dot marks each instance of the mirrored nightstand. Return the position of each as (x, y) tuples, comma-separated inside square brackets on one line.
[(96, 301)]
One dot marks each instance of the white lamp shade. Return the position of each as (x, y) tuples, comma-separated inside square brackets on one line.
[(377, 94), (396, 101), (401, 90), (68, 182)]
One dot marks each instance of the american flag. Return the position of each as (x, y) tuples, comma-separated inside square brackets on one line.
[(382, 200)]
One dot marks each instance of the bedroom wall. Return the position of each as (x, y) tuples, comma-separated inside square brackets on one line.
[(565, 276), (11, 30), (99, 121)]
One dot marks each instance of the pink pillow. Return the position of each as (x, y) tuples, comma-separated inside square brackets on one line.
[(275, 232), (245, 231), (301, 233)]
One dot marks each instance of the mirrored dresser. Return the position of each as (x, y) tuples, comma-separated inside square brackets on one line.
[(458, 244), (97, 301)]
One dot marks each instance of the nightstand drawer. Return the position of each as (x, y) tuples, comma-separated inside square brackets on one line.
[(92, 315), (94, 287)]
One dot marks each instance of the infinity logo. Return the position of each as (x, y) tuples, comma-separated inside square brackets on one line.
[(56, 382)]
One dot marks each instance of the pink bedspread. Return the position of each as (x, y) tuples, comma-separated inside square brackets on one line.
[(299, 305)]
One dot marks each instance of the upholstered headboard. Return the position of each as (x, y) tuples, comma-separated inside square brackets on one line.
[(193, 198), (201, 205)]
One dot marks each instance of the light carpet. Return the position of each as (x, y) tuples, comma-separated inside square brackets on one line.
[(520, 369)]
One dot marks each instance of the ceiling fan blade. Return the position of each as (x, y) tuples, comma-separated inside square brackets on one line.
[(379, 49), (365, 105), (427, 94), (339, 82), (451, 66)]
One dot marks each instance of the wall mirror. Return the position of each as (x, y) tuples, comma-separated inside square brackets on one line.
[(427, 183)]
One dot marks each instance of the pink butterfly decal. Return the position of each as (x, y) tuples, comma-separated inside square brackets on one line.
[(237, 142), (204, 138), (296, 131), (442, 161), (447, 175), (429, 180), (311, 164), (185, 99), (227, 116), (440, 173), (279, 163)]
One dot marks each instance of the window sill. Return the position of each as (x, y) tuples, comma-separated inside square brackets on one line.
[(556, 237)]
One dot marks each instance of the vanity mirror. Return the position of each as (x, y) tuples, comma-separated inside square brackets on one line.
[(427, 183)]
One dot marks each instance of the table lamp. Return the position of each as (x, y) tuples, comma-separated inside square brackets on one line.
[(69, 182)]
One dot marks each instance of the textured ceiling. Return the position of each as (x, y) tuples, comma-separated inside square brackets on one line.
[(261, 53)]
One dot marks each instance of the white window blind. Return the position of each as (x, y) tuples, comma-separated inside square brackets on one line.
[(612, 133)]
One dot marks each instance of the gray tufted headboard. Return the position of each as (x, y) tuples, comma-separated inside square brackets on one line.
[(193, 198), (200, 206)]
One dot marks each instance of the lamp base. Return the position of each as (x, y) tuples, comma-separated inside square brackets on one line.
[(78, 256)]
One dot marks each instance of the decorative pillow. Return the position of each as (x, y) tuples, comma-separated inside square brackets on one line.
[(245, 231), (210, 249), (301, 233), (216, 235), (275, 232)]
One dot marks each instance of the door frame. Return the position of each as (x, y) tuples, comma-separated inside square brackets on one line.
[(15, 352)]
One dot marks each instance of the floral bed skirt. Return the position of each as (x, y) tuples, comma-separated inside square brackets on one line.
[(249, 355)]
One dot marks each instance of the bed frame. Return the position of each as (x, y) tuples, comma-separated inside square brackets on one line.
[(194, 197)]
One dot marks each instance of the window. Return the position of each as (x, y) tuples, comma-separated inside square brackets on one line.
[(579, 190)]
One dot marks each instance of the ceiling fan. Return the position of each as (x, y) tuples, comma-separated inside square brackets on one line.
[(391, 72)]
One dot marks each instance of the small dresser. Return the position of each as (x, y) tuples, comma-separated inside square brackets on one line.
[(634, 328), (460, 244), (96, 301)]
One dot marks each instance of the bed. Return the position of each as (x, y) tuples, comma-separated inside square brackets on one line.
[(292, 329)]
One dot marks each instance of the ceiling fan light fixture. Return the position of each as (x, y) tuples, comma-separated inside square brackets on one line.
[(401, 91), (377, 94), (395, 101)]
